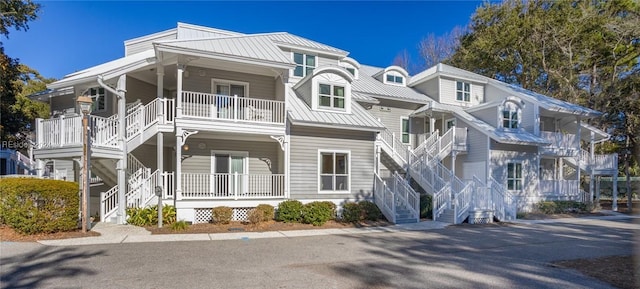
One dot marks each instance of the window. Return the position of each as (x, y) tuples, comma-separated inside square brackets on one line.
[(395, 79), (98, 97), (405, 130), (230, 89), (351, 70), (331, 96), (463, 91), (514, 176), (304, 64), (334, 171), (510, 118), (449, 124)]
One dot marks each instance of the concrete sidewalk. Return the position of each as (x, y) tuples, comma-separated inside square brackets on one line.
[(115, 234)]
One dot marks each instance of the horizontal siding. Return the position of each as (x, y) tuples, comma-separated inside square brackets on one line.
[(494, 94), (476, 144), (529, 194), (305, 143), (512, 147), (65, 166), (448, 90), (304, 91), (528, 117), (260, 86), (145, 45), (63, 102), (488, 115), (430, 88), (390, 113), (263, 156), (138, 89)]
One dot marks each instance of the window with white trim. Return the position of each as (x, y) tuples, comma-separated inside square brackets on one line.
[(98, 99), (510, 117), (463, 91), (514, 176), (405, 130), (331, 96), (334, 171), (393, 78), (304, 64)]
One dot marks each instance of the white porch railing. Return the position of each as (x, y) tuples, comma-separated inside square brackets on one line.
[(385, 199), (559, 187), (504, 204), (398, 148), (232, 186), (560, 140), (168, 184), (215, 106), (108, 203)]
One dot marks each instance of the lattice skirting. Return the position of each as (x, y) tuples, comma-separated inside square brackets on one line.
[(204, 215), (481, 217)]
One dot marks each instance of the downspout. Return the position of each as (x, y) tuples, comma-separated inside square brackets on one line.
[(121, 167)]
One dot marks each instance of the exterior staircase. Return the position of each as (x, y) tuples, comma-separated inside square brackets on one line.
[(452, 198)]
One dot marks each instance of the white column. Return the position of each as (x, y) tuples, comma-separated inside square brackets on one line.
[(160, 115), (598, 192), (432, 124), (614, 190), (579, 158), (178, 175), (121, 166), (287, 165), (591, 176), (179, 91)]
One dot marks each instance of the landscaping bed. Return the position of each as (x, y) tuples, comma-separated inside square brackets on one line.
[(261, 227), (622, 206), (7, 234)]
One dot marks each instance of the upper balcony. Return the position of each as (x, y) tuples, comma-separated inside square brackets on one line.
[(215, 112), (562, 144)]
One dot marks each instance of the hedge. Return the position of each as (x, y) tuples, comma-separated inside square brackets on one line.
[(32, 206)]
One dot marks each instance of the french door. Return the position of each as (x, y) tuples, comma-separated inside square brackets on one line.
[(229, 174)]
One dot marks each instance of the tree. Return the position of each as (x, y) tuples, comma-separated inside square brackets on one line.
[(403, 59), (435, 49), (581, 51), (14, 14)]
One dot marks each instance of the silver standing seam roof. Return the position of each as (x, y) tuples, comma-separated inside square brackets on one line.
[(367, 85), (359, 119)]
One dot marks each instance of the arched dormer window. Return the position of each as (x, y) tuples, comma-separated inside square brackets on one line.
[(327, 88), (510, 112), (395, 75), (351, 65)]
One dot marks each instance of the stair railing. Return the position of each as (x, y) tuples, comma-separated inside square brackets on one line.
[(385, 199), (504, 205), (108, 203), (407, 195), (462, 200)]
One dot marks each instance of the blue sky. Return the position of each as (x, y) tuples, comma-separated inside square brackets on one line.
[(73, 35)]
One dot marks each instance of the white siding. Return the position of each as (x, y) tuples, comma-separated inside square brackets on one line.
[(305, 143), (448, 93), (529, 160), (133, 48), (304, 91), (528, 117), (390, 114), (430, 88), (476, 144), (65, 166), (488, 115), (260, 86), (138, 89)]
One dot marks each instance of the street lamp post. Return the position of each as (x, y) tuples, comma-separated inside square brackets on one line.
[(84, 102)]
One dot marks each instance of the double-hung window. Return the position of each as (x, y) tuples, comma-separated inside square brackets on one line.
[(510, 118), (514, 176), (98, 99), (334, 171), (331, 96), (463, 91), (304, 64)]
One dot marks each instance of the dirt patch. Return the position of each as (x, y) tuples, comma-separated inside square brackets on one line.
[(9, 234), (541, 216), (261, 227), (622, 206), (618, 271)]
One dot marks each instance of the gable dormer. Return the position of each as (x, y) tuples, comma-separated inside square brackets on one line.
[(327, 88), (351, 65), (393, 75)]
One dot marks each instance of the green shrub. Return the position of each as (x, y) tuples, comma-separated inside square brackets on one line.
[(370, 211), (268, 212), (332, 207), (426, 206), (351, 213), (222, 215), (255, 216), (32, 206), (547, 207), (289, 211), (179, 226), (148, 216), (317, 213), (559, 207)]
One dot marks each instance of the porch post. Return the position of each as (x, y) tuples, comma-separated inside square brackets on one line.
[(121, 166), (579, 158), (160, 115), (614, 191), (432, 124), (179, 91), (287, 165), (39, 168), (598, 191), (178, 176), (591, 180)]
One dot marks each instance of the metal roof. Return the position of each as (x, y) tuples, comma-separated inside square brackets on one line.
[(358, 119), (363, 98), (257, 47), (108, 70), (367, 85), (499, 135), (295, 40), (190, 31)]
